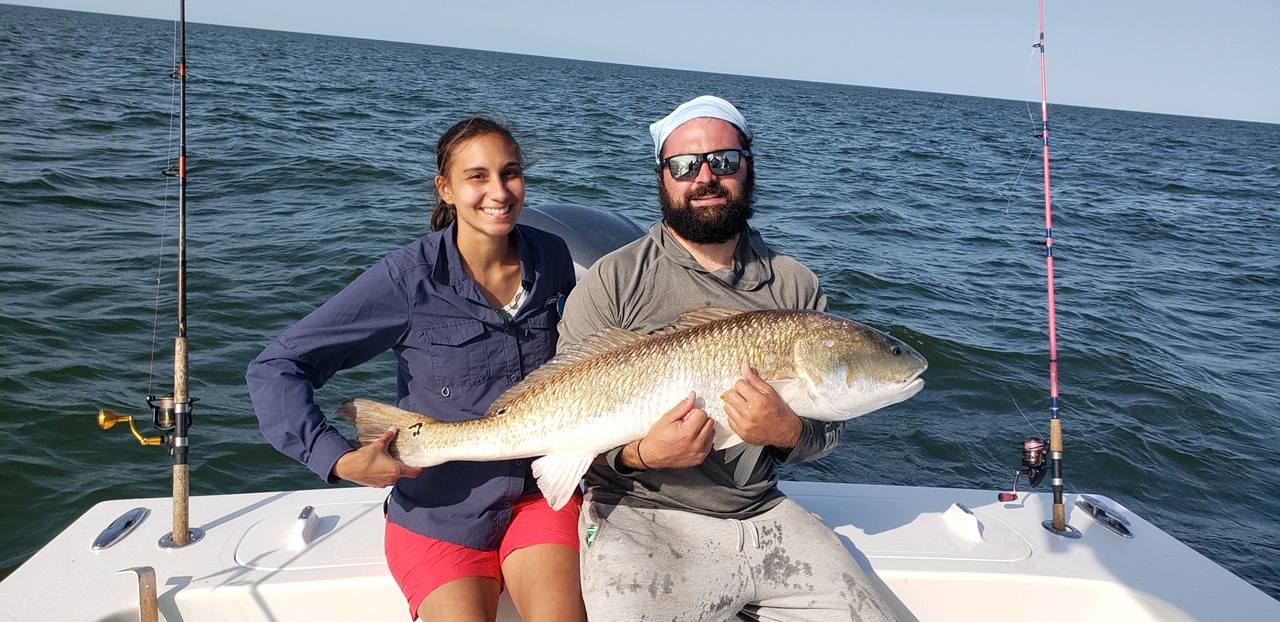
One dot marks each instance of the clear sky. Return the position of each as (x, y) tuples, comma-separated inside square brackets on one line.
[(1207, 58)]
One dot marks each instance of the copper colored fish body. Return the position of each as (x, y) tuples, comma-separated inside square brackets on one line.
[(610, 389)]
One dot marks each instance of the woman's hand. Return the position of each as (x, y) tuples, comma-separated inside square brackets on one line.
[(372, 465)]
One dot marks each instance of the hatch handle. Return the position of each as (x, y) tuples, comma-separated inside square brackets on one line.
[(304, 529)]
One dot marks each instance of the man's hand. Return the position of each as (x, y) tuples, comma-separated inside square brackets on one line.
[(758, 415), (372, 465), (682, 438)]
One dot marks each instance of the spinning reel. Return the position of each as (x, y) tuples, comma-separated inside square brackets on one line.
[(165, 417), (1033, 466)]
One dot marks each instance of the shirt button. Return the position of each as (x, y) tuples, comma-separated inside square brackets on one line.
[(506, 504), (519, 462), (515, 377)]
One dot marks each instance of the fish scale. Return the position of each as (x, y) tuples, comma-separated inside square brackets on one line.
[(610, 389)]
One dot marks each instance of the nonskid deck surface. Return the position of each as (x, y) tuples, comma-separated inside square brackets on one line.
[(936, 554)]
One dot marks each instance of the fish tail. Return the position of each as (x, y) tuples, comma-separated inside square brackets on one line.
[(372, 420)]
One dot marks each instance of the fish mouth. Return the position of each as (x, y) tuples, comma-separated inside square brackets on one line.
[(913, 377), (911, 386)]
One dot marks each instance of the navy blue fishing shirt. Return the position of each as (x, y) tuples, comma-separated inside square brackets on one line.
[(455, 356)]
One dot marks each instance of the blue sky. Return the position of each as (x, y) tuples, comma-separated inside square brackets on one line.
[(1207, 58)]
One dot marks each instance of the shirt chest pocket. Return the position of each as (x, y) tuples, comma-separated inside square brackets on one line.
[(459, 353), (540, 336)]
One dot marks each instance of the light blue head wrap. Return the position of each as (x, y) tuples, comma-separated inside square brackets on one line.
[(702, 106)]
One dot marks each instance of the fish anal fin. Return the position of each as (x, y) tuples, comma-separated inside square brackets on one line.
[(558, 477)]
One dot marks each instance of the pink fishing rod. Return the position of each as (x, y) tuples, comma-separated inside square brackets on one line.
[(1033, 449), (1055, 422)]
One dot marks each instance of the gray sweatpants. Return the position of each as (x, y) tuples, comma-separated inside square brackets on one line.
[(784, 565)]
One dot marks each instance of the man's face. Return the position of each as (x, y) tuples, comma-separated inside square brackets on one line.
[(708, 208)]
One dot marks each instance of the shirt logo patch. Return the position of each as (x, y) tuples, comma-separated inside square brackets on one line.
[(558, 301)]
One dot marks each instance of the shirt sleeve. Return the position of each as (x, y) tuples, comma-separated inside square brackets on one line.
[(366, 318), (817, 439)]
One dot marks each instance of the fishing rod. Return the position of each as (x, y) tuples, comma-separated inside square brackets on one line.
[(172, 413), (1033, 454), (1059, 521)]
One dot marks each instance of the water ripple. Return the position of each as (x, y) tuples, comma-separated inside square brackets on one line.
[(311, 157)]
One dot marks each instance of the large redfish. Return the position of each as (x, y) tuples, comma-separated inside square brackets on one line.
[(608, 390)]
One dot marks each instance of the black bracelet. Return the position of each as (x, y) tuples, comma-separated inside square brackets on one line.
[(640, 457)]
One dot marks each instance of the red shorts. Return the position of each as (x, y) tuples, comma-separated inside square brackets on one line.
[(421, 564)]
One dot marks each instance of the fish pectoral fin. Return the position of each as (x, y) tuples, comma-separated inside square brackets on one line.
[(558, 477), (791, 390)]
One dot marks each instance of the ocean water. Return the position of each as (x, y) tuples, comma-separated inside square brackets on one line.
[(310, 157)]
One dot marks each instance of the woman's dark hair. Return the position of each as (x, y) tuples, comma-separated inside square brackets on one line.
[(443, 214)]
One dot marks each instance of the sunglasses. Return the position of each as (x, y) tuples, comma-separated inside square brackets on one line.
[(687, 165)]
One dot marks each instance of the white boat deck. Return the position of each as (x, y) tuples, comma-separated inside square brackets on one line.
[(932, 559)]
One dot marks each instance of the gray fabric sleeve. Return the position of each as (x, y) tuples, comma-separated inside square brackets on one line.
[(817, 439)]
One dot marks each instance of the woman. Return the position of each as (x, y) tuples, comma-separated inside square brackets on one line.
[(469, 310)]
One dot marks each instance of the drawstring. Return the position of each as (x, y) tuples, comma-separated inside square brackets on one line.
[(742, 531)]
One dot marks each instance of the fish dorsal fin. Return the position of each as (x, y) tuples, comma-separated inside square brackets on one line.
[(698, 317), (603, 341)]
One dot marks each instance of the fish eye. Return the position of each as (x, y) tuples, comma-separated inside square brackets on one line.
[(897, 350)]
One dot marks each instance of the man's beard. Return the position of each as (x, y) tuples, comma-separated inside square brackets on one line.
[(709, 225)]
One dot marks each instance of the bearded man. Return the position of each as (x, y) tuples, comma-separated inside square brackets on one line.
[(670, 529)]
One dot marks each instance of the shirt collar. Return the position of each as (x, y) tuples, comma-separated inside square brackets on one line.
[(449, 268), (750, 270)]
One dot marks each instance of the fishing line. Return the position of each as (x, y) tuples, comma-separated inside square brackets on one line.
[(1026, 162), (164, 210), (1031, 151), (1030, 423)]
